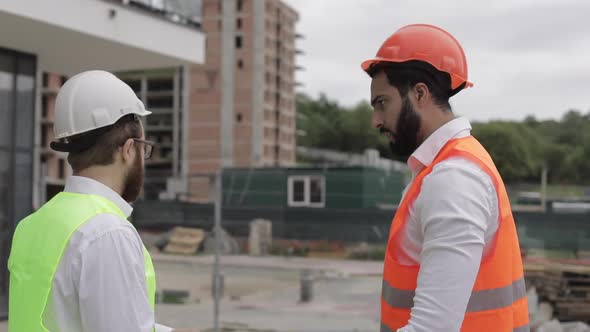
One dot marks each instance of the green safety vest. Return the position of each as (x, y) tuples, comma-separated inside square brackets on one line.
[(38, 244)]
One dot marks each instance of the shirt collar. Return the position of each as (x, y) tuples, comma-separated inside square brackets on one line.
[(88, 186), (429, 149)]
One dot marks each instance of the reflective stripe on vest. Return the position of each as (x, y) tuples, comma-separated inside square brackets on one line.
[(498, 299), (37, 247), (482, 300), (524, 328)]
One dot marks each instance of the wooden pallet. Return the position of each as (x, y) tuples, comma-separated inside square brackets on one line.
[(565, 286), (184, 241)]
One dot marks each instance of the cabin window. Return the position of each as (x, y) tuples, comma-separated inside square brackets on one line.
[(307, 191)]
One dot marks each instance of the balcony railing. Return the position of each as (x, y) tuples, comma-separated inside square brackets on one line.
[(185, 12)]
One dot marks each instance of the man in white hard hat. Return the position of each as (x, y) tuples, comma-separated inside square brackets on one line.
[(77, 264)]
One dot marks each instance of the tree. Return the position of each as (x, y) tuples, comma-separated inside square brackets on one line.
[(572, 128), (577, 163), (509, 149), (519, 149), (326, 125)]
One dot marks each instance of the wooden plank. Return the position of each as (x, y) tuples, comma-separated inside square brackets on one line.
[(185, 240)]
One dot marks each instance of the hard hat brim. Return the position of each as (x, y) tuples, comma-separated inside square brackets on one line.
[(144, 113), (140, 113), (366, 65), (61, 146)]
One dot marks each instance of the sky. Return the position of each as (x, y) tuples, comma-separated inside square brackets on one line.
[(524, 57)]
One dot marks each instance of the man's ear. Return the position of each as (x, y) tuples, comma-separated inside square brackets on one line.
[(421, 94), (421, 91), (128, 151)]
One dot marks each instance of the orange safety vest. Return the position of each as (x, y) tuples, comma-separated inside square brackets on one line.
[(498, 301)]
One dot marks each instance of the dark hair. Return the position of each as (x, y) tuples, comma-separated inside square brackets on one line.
[(102, 147), (405, 75)]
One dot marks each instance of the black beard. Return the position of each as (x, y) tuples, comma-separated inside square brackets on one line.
[(406, 134)]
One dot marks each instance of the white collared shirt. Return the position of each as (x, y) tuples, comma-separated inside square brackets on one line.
[(99, 284), (451, 226)]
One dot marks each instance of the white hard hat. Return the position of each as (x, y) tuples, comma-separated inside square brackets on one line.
[(92, 100)]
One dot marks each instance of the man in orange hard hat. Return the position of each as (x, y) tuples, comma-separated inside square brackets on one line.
[(453, 259)]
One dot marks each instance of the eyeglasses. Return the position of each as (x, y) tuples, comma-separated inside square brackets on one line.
[(148, 146)]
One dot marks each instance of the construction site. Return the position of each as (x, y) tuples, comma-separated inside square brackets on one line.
[(248, 231)]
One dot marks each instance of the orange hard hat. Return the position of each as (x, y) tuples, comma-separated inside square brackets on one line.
[(426, 43)]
